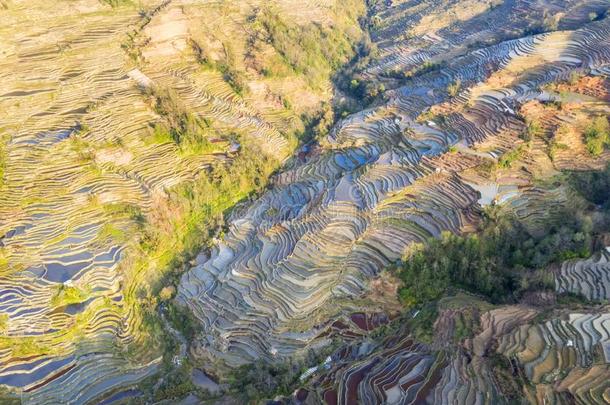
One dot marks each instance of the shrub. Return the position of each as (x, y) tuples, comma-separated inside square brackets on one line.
[(318, 125), (255, 382), (175, 385), (260, 380), (597, 16), (182, 319), (109, 230), (574, 78), (405, 76), (551, 22), (365, 90), (4, 323), (422, 326), (67, 295), (82, 148), (533, 129), (454, 88), (25, 347), (594, 186), (506, 160), (597, 135), (201, 55), (234, 78), (167, 293), (184, 128), (555, 146), (130, 211)]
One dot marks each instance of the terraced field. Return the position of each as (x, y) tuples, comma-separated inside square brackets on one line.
[(587, 277), (383, 179), (378, 183), (88, 164), (129, 131)]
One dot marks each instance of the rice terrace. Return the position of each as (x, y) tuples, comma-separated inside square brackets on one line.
[(304, 202)]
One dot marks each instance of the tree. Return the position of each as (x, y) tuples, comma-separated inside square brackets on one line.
[(454, 88), (167, 293), (597, 135)]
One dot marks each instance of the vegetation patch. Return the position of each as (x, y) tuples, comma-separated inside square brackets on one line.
[(597, 135), (505, 372), (68, 295), (406, 75), (253, 383), (125, 210), (182, 320), (421, 324), (4, 320), (117, 3), (176, 384), (187, 130), (311, 50), (453, 89), (113, 232), (594, 186), (187, 223), (532, 130), (25, 347), (494, 261), (261, 380), (506, 160), (3, 157), (233, 77)]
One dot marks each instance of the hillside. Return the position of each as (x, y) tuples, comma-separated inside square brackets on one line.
[(315, 201), (127, 131)]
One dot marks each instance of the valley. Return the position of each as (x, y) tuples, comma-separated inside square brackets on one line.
[(305, 202)]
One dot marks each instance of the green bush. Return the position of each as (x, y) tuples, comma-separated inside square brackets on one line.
[(367, 90), (404, 76), (555, 146), (597, 135), (201, 54), (594, 186), (233, 77), (597, 16), (175, 385), (67, 295), (122, 210), (255, 382), (506, 160), (574, 78), (422, 326), (183, 320), (454, 88), (179, 125), (534, 129)]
